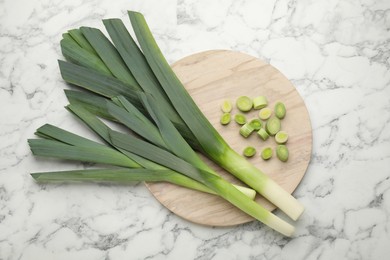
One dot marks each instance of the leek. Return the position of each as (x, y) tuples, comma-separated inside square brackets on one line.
[(165, 136), (209, 139), (79, 37), (109, 55), (226, 106), (266, 153), (244, 103), (73, 52), (121, 175), (103, 131), (120, 75), (225, 119), (214, 182), (61, 144)]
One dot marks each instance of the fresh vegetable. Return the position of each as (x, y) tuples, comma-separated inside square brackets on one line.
[(90, 149), (280, 110), (246, 130), (225, 118), (266, 153), (281, 137), (211, 142), (265, 113), (240, 119), (216, 183), (282, 152), (226, 106), (249, 151), (273, 125), (135, 72), (255, 124), (244, 103), (263, 134), (260, 102), (77, 36), (61, 144)]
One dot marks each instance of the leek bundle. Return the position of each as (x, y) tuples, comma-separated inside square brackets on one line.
[(137, 88)]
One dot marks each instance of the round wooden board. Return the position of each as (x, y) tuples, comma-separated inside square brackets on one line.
[(211, 77)]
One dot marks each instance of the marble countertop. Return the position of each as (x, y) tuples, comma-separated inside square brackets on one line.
[(336, 53)]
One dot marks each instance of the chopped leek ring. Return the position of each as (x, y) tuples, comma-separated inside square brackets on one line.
[(266, 154), (226, 106), (256, 124), (249, 151), (263, 134), (281, 137), (265, 113), (273, 125), (246, 130), (280, 110), (240, 119), (225, 118), (244, 103), (260, 102), (282, 152)]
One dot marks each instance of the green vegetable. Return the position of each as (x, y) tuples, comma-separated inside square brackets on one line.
[(249, 151), (225, 118), (78, 36), (282, 152), (246, 130), (266, 153), (244, 103), (122, 175), (211, 142), (186, 117), (255, 124), (180, 148), (263, 134), (73, 52), (281, 137), (102, 154), (273, 125), (109, 54), (265, 113), (216, 183), (260, 102), (240, 119), (226, 106), (175, 143), (62, 144), (139, 67), (280, 110)]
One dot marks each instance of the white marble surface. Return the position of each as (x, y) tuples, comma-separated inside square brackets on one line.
[(337, 53)]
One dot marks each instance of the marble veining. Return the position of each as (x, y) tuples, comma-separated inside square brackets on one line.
[(336, 53)]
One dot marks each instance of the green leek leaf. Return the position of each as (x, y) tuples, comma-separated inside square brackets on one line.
[(91, 102), (209, 139), (55, 149), (78, 36), (136, 62), (136, 122), (121, 175), (109, 55), (66, 137), (74, 53), (96, 82)]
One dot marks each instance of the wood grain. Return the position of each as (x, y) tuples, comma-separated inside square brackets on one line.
[(212, 76)]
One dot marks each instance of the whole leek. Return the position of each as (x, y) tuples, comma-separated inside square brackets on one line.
[(132, 87)]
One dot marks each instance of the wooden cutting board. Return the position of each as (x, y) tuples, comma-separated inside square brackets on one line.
[(211, 77)]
